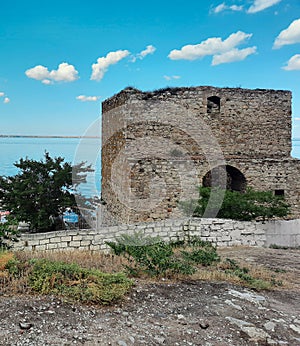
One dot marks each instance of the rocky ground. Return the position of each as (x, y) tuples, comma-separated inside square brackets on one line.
[(166, 313)]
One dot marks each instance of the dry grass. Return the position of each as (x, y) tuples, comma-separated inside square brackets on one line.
[(107, 263), (217, 273), (4, 258), (10, 284), (110, 263)]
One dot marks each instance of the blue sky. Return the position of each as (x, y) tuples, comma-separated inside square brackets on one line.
[(60, 59)]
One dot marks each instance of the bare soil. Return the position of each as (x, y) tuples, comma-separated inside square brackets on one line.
[(168, 313)]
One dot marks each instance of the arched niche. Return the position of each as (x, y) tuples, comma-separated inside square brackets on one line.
[(218, 176)]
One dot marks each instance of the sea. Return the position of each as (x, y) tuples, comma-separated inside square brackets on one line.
[(74, 150)]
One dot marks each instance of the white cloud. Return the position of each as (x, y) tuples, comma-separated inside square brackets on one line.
[(288, 36), (84, 98), (99, 68), (260, 5), (149, 50), (6, 99), (217, 48), (297, 119), (293, 63), (236, 8), (223, 7), (47, 81), (233, 55), (220, 8), (38, 72), (64, 73), (171, 77)]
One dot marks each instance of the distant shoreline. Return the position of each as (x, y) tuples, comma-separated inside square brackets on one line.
[(50, 136), (44, 136)]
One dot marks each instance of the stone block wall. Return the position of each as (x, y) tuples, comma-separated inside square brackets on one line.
[(158, 147), (218, 231)]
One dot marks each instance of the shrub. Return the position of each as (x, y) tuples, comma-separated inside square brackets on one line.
[(70, 280), (245, 206), (154, 257)]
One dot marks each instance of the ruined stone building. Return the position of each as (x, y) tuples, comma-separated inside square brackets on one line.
[(159, 146)]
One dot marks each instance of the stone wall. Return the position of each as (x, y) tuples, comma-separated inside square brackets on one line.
[(218, 231), (158, 146), (255, 123)]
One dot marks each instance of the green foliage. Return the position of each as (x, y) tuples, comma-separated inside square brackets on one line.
[(249, 280), (275, 246), (154, 257), (14, 267), (245, 206), (41, 189), (70, 280), (8, 234), (201, 256)]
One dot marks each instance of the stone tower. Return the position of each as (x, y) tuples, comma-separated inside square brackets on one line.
[(159, 146)]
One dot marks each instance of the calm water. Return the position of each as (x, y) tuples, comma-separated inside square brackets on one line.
[(296, 148), (74, 150)]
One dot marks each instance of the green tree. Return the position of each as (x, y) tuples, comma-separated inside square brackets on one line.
[(245, 206), (40, 190), (8, 233)]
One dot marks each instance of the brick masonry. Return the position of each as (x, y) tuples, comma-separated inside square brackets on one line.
[(158, 146)]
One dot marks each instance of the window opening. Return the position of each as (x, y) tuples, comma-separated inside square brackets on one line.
[(213, 104)]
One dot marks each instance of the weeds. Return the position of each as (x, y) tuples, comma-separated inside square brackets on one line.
[(231, 267), (64, 279), (86, 285), (100, 278), (148, 255), (191, 256), (154, 257)]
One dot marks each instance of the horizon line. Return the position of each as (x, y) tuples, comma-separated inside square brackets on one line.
[(74, 136), (45, 136)]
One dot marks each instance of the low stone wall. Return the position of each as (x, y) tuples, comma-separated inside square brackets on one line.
[(283, 233), (218, 231)]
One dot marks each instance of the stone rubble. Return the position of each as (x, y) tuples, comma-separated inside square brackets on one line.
[(187, 313)]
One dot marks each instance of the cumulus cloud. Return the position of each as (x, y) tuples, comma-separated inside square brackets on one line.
[(233, 55), (260, 5), (293, 63), (222, 51), (290, 35), (297, 119), (171, 77), (64, 73), (1, 94), (103, 63), (223, 7), (84, 98)]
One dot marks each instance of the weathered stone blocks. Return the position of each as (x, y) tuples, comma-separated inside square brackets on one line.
[(252, 128)]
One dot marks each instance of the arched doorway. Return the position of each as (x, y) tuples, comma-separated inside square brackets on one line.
[(234, 178)]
